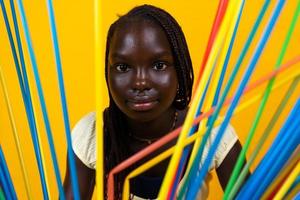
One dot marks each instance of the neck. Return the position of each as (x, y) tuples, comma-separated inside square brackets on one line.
[(155, 128)]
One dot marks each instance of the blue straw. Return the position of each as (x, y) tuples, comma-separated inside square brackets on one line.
[(207, 134), (273, 170), (276, 156), (45, 115), (63, 100), (224, 68), (281, 158), (27, 104), (296, 182), (280, 135), (237, 67), (198, 181), (4, 184), (297, 197), (186, 151), (6, 176), (198, 157)]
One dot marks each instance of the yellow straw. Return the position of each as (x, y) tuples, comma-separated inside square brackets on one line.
[(38, 131), (282, 175), (156, 160), (292, 194), (15, 134), (214, 84), (100, 83), (192, 111), (258, 96), (288, 182), (190, 139)]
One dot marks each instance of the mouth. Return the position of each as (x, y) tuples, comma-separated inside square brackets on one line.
[(142, 104)]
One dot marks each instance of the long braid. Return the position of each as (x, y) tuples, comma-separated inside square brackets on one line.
[(117, 129)]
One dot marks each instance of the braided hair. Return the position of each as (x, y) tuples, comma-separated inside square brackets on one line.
[(116, 134)]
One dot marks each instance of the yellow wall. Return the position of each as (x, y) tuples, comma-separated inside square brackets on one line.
[(75, 31)]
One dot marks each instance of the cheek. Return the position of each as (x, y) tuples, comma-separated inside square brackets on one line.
[(118, 85), (167, 84)]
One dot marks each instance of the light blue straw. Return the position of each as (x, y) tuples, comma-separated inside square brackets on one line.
[(205, 137), (281, 157), (8, 184), (45, 115), (73, 170), (278, 138), (4, 185), (198, 181), (187, 149), (276, 156), (28, 105)]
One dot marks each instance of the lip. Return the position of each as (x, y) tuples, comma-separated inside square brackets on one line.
[(142, 104)]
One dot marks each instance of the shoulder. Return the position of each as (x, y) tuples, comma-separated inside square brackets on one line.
[(227, 142), (84, 139)]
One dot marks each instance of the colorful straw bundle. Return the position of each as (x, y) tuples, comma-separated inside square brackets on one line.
[(277, 174)]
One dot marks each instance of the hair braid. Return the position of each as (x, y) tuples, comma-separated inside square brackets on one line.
[(115, 123)]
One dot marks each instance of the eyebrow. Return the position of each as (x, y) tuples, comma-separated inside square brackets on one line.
[(155, 55)]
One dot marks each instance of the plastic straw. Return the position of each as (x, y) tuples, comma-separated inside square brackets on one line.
[(151, 148), (251, 187), (197, 183), (236, 69), (8, 184), (15, 134), (265, 135), (28, 108), (192, 111), (74, 178), (100, 88), (241, 158)]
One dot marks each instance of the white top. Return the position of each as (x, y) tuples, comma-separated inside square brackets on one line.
[(84, 143)]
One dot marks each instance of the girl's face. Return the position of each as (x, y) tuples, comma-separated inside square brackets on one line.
[(141, 74)]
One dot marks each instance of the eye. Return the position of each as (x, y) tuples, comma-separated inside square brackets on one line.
[(122, 67), (160, 66)]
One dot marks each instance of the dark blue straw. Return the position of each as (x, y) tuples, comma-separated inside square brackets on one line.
[(279, 136), (233, 74), (276, 156), (295, 184), (255, 189), (194, 129), (63, 100), (198, 181), (205, 137), (8, 185), (27, 104), (281, 158), (4, 184), (44, 111), (186, 150)]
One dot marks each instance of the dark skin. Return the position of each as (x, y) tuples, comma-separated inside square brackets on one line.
[(143, 82)]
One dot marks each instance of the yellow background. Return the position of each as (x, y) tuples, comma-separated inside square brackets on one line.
[(76, 37)]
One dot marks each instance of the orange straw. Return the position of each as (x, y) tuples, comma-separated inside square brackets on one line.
[(216, 26), (167, 138)]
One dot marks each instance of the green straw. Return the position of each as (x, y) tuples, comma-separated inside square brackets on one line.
[(2, 197), (262, 105), (265, 135)]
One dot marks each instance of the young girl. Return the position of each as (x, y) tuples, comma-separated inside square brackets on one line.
[(149, 75)]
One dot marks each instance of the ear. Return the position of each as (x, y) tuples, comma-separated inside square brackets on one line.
[(179, 101)]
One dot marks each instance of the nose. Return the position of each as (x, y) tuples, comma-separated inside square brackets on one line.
[(141, 80)]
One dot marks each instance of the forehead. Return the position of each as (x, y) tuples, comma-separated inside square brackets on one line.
[(139, 36)]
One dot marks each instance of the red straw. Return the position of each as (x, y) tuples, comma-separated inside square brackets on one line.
[(167, 138), (216, 25), (215, 28)]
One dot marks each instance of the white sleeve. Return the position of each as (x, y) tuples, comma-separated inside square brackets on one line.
[(228, 140), (84, 140)]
